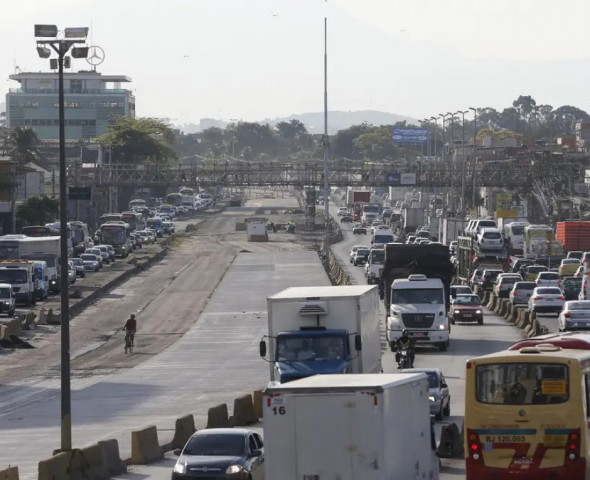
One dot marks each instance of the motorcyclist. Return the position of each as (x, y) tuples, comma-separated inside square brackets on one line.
[(291, 226), (405, 342)]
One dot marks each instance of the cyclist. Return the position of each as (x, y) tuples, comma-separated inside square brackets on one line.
[(130, 327)]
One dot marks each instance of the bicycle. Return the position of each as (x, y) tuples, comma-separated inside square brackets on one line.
[(129, 340)]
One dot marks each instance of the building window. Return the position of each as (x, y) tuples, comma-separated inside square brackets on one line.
[(76, 85)]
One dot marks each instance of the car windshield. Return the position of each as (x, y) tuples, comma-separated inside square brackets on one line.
[(467, 300), (362, 252), (227, 445), (383, 238), (432, 379), (13, 276), (573, 281), (522, 383), (548, 291), (4, 293), (492, 273), (88, 257), (310, 348), (402, 296), (536, 269), (570, 261)]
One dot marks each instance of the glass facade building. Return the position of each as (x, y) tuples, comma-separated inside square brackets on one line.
[(91, 102)]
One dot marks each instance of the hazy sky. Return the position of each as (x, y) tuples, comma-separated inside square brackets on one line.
[(256, 59)]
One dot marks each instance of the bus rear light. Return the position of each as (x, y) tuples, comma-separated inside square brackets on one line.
[(475, 451), (572, 446)]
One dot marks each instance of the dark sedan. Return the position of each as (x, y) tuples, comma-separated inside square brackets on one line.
[(571, 287), (347, 217), (466, 308), (221, 453)]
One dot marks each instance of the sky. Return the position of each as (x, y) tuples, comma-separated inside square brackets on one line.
[(255, 59)]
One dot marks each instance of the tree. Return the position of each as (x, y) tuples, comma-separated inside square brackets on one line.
[(525, 105), (291, 130), (38, 211), (342, 143), (139, 141), (22, 144), (565, 118)]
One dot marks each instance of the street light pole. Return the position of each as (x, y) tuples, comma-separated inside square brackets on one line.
[(61, 46), (462, 112), (473, 206), (326, 151)]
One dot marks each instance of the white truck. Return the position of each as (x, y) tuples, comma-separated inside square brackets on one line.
[(349, 427), (452, 229), (374, 265), (315, 330), (21, 247), (412, 218), (20, 275)]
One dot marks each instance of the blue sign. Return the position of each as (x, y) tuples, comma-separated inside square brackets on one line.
[(409, 135), (393, 178)]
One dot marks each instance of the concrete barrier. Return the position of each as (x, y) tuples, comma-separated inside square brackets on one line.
[(486, 297), (10, 473), (479, 292), (513, 314), (492, 303), (11, 327), (217, 416), (243, 411), (526, 320), (183, 429), (90, 464), (450, 441), (145, 447), (111, 458), (535, 329), (257, 399), (509, 308), (55, 468)]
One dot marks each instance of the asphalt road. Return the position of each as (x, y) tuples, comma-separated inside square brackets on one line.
[(467, 340), (197, 344)]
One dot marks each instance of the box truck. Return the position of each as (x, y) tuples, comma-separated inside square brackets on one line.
[(20, 274), (452, 229), (357, 196), (349, 427), (326, 330), (413, 218)]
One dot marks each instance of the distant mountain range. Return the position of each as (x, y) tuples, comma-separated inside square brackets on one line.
[(314, 121), (340, 120)]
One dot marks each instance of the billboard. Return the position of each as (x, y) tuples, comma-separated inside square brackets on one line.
[(401, 179), (409, 135)]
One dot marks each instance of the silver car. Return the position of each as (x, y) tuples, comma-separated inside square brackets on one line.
[(546, 300), (574, 316), (438, 391), (548, 279), (504, 283), (521, 292), (90, 261)]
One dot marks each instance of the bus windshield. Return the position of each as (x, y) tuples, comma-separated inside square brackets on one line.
[(113, 236), (516, 229), (522, 383)]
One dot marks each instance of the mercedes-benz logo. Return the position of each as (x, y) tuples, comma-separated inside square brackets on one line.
[(95, 55), (204, 469)]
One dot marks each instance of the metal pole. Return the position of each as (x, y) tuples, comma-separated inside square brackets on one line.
[(463, 164), (66, 408), (326, 153), (473, 206)]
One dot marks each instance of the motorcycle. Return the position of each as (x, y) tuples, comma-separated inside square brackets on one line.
[(404, 359)]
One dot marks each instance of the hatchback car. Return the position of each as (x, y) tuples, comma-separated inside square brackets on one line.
[(221, 453), (99, 256), (568, 266), (488, 277), (168, 227), (79, 266), (359, 229), (466, 308), (91, 262), (548, 279), (520, 293), (146, 238), (574, 316), (504, 283), (490, 239), (353, 251), (459, 290), (71, 273), (346, 218), (546, 300), (438, 391), (532, 271), (360, 256), (571, 286), (104, 253), (476, 277)]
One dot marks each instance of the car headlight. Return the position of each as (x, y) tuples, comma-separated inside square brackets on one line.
[(443, 326), (180, 468), (232, 469), (478, 312), (6, 303), (431, 399)]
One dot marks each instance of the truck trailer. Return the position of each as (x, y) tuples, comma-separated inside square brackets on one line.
[(326, 330), (349, 427)]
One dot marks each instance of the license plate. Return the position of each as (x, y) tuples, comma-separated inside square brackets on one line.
[(467, 315), (419, 334)]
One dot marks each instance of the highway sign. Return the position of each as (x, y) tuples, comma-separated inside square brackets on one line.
[(409, 135), (79, 193), (393, 178)]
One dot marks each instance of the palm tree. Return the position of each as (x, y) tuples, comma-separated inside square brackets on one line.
[(22, 145)]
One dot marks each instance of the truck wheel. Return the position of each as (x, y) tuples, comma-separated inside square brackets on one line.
[(443, 346)]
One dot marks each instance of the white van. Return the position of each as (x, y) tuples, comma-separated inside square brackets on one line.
[(418, 305), (382, 236), (514, 234)]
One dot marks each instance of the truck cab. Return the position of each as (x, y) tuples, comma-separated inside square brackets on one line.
[(7, 302), (21, 278), (374, 265), (418, 304)]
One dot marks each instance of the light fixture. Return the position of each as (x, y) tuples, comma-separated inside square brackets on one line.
[(43, 52), (80, 32), (46, 31), (80, 52)]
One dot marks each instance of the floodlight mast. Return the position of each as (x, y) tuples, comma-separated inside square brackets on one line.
[(61, 46)]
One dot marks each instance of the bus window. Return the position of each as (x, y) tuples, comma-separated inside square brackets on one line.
[(522, 383)]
